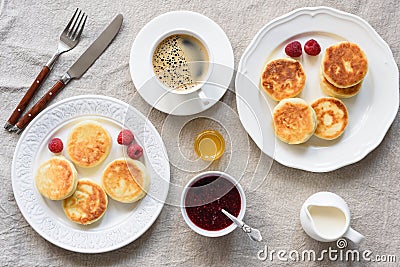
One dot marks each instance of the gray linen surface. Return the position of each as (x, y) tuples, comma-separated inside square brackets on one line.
[(28, 36)]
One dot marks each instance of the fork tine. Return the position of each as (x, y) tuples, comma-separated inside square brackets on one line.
[(73, 35), (69, 34), (80, 30), (70, 21)]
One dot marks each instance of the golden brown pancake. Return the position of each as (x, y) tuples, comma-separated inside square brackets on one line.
[(332, 117), (294, 121), (344, 64), (56, 178), (126, 180), (88, 204), (334, 91), (88, 144), (283, 78)]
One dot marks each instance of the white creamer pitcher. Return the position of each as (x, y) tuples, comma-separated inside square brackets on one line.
[(325, 217)]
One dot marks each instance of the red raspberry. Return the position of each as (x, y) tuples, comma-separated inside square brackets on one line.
[(125, 137), (135, 151), (56, 145), (293, 49), (312, 47)]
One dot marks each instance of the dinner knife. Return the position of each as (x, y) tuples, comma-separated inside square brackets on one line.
[(81, 65)]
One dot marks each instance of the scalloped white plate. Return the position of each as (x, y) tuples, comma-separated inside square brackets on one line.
[(122, 223), (371, 112)]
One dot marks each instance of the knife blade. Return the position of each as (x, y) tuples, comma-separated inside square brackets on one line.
[(95, 49), (81, 65)]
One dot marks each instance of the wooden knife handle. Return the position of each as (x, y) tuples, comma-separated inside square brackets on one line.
[(28, 96), (40, 105)]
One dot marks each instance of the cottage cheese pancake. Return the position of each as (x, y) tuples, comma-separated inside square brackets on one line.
[(56, 178), (332, 117), (88, 144), (283, 78), (334, 91), (344, 64), (126, 180), (88, 204), (294, 121)]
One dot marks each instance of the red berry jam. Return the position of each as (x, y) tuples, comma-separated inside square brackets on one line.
[(207, 197)]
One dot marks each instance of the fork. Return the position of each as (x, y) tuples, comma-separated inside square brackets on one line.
[(69, 38)]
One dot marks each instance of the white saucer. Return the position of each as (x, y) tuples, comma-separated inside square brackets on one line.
[(222, 63)]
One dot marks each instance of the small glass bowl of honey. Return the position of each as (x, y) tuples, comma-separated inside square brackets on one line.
[(209, 145)]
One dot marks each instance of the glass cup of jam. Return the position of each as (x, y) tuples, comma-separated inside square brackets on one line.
[(203, 198)]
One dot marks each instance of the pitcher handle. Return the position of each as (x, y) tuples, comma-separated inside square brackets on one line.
[(354, 236)]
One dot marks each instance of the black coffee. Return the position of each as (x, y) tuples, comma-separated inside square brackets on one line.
[(180, 61)]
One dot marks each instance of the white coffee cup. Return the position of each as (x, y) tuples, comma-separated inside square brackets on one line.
[(325, 217), (210, 60)]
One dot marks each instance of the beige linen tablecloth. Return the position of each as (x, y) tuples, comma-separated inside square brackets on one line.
[(28, 35)]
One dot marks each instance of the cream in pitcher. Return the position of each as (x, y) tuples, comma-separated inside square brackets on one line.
[(328, 221), (325, 217)]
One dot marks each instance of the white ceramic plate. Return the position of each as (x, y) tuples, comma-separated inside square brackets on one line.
[(221, 60), (371, 112), (122, 223)]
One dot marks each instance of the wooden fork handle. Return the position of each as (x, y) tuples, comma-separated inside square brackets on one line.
[(28, 96), (39, 106)]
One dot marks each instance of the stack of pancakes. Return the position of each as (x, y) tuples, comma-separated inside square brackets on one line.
[(84, 201), (343, 69)]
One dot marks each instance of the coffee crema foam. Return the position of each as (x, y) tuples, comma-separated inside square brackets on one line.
[(180, 62)]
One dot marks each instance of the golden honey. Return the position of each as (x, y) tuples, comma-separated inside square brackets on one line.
[(209, 145)]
